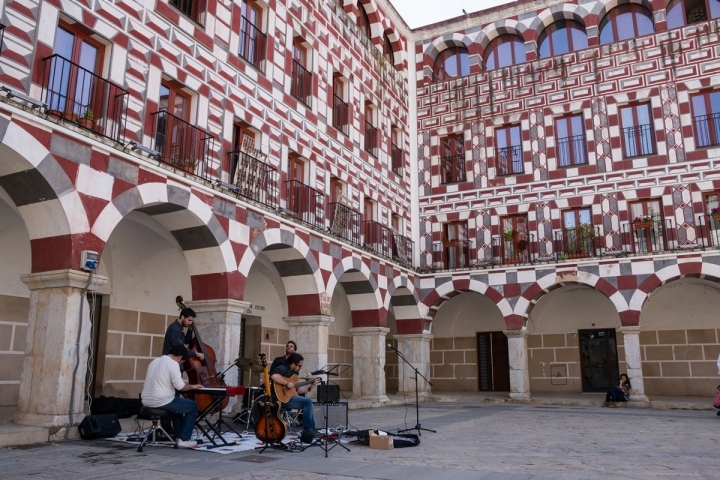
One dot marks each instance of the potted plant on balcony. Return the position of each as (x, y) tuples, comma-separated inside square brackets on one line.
[(715, 213), (86, 120), (642, 221), (510, 235)]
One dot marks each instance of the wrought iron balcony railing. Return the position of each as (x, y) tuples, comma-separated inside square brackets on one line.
[(652, 236), (376, 237), (451, 255), (344, 222), (371, 139), (571, 151), (182, 145), (78, 95), (509, 160), (301, 86), (453, 168), (707, 129), (709, 230), (304, 203), (638, 140), (341, 115), (577, 242), (514, 249), (254, 179), (397, 160), (403, 249), (252, 43)]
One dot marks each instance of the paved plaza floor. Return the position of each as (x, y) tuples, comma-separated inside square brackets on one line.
[(472, 442)]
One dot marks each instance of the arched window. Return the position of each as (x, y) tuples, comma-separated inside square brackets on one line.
[(563, 36), (451, 63), (685, 12), (504, 51), (388, 51), (363, 22), (626, 21)]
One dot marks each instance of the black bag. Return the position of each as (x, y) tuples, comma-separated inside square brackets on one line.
[(400, 440), (111, 405)]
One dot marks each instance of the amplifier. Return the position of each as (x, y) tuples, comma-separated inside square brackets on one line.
[(99, 426), (337, 414), (328, 393)]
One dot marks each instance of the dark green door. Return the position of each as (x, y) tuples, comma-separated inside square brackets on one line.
[(598, 360)]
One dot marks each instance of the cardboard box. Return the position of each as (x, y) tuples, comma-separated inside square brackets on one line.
[(381, 442)]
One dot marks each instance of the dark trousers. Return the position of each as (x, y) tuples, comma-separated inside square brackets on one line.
[(615, 395)]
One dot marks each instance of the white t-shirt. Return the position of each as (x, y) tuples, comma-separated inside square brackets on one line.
[(162, 379)]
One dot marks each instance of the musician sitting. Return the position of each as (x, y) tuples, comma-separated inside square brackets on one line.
[(162, 379), (284, 378)]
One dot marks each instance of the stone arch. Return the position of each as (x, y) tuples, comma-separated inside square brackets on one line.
[(296, 265), (376, 26), (43, 196), (402, 296), (695, 268), (501, 27), (531, 295), (447, 290), (443, 43), (201, 237), (602, 8), (553, 14), (363, 294)]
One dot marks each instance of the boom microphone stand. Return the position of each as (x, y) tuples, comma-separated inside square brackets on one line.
[(417, 397)]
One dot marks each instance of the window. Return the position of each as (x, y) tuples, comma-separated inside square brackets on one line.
[(570, 146), (298, 200), (371, 132), (363, 22), (686, 12), (369, 209), (452, 158), (341, 109), (336, 190), (243, 140), (252, 40), (646, 226), (396, 153), (456, 247), (173, 137), (578, 234), (193, 9), (504, 51), (712, 201), (561, 37), (301, 78), (514, 239), (625, 21), (451, 63), (508, 157), (388, 51), (637, 131), (396, 223), (706, 118)]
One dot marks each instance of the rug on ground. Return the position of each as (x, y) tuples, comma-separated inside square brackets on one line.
[(242, 443)]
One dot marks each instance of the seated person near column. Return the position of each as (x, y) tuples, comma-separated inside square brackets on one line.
[(621, 393), (290, 348), (162, 379), (716, 402), (174, 335), (281, 375)]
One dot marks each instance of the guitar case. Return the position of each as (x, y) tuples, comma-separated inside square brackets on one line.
[(400, 440)]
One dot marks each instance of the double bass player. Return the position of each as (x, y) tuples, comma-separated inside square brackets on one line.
[(175, 334)]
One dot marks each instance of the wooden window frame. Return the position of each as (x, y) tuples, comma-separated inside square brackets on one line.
[(452, 161)]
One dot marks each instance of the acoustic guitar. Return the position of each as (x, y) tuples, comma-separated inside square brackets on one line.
[(284, 393), (269, 427)]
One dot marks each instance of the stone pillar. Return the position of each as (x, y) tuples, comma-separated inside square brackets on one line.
[(58, 337), (517, 356), (218, 323), (416, 350), (311, 333), (369, 363), (631, 340)]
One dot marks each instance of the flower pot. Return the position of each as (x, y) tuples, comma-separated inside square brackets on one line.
[(716, 216), (647, 224), (85, 122)]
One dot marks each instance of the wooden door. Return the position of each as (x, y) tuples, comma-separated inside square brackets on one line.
[(598, 360), (493, 362)]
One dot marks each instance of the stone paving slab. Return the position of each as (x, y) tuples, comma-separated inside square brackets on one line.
[(472, 442)]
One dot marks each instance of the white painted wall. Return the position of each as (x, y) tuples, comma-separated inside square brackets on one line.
[(15, 259), (265, 288), (466, 314), (571, 308), (682, 304), (341, 310)]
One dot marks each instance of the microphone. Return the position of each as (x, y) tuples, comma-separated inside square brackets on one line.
[(390, 346)]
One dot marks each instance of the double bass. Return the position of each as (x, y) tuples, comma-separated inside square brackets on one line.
[(269, 427), (201, 371)]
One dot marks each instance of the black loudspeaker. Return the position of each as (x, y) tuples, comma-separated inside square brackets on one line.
[(328, 393), (99, 426), (337, 414)]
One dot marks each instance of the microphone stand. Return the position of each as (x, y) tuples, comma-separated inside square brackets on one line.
[(417, 397)]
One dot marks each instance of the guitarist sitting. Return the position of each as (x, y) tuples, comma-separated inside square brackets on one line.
[(284, 378)]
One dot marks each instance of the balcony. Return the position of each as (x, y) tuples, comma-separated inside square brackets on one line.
[(709, 230), (301, 86), (376, 237), (577, 242), (254, 179), (509, 160), (651, 236), (371, 139), (707, 129), (402, 250), (345, 222), (252, 44), (514, 248), (397, 160), (451, 255), (341, 115), (304, 203), (638, 141), (182, 145), (77, 95), (571, 151)]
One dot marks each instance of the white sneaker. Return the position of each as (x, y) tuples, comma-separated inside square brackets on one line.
[(187, 443)]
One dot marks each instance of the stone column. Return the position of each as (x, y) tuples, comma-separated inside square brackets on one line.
[(218, 323), (517, 356), (369, 363), (631, 340), (311, 334), (416, 350), (58, 337)]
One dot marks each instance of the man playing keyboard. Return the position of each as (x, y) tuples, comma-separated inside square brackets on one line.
[(162, 379)]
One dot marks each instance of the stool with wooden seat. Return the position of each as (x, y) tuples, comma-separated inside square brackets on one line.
[(154, 415)]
